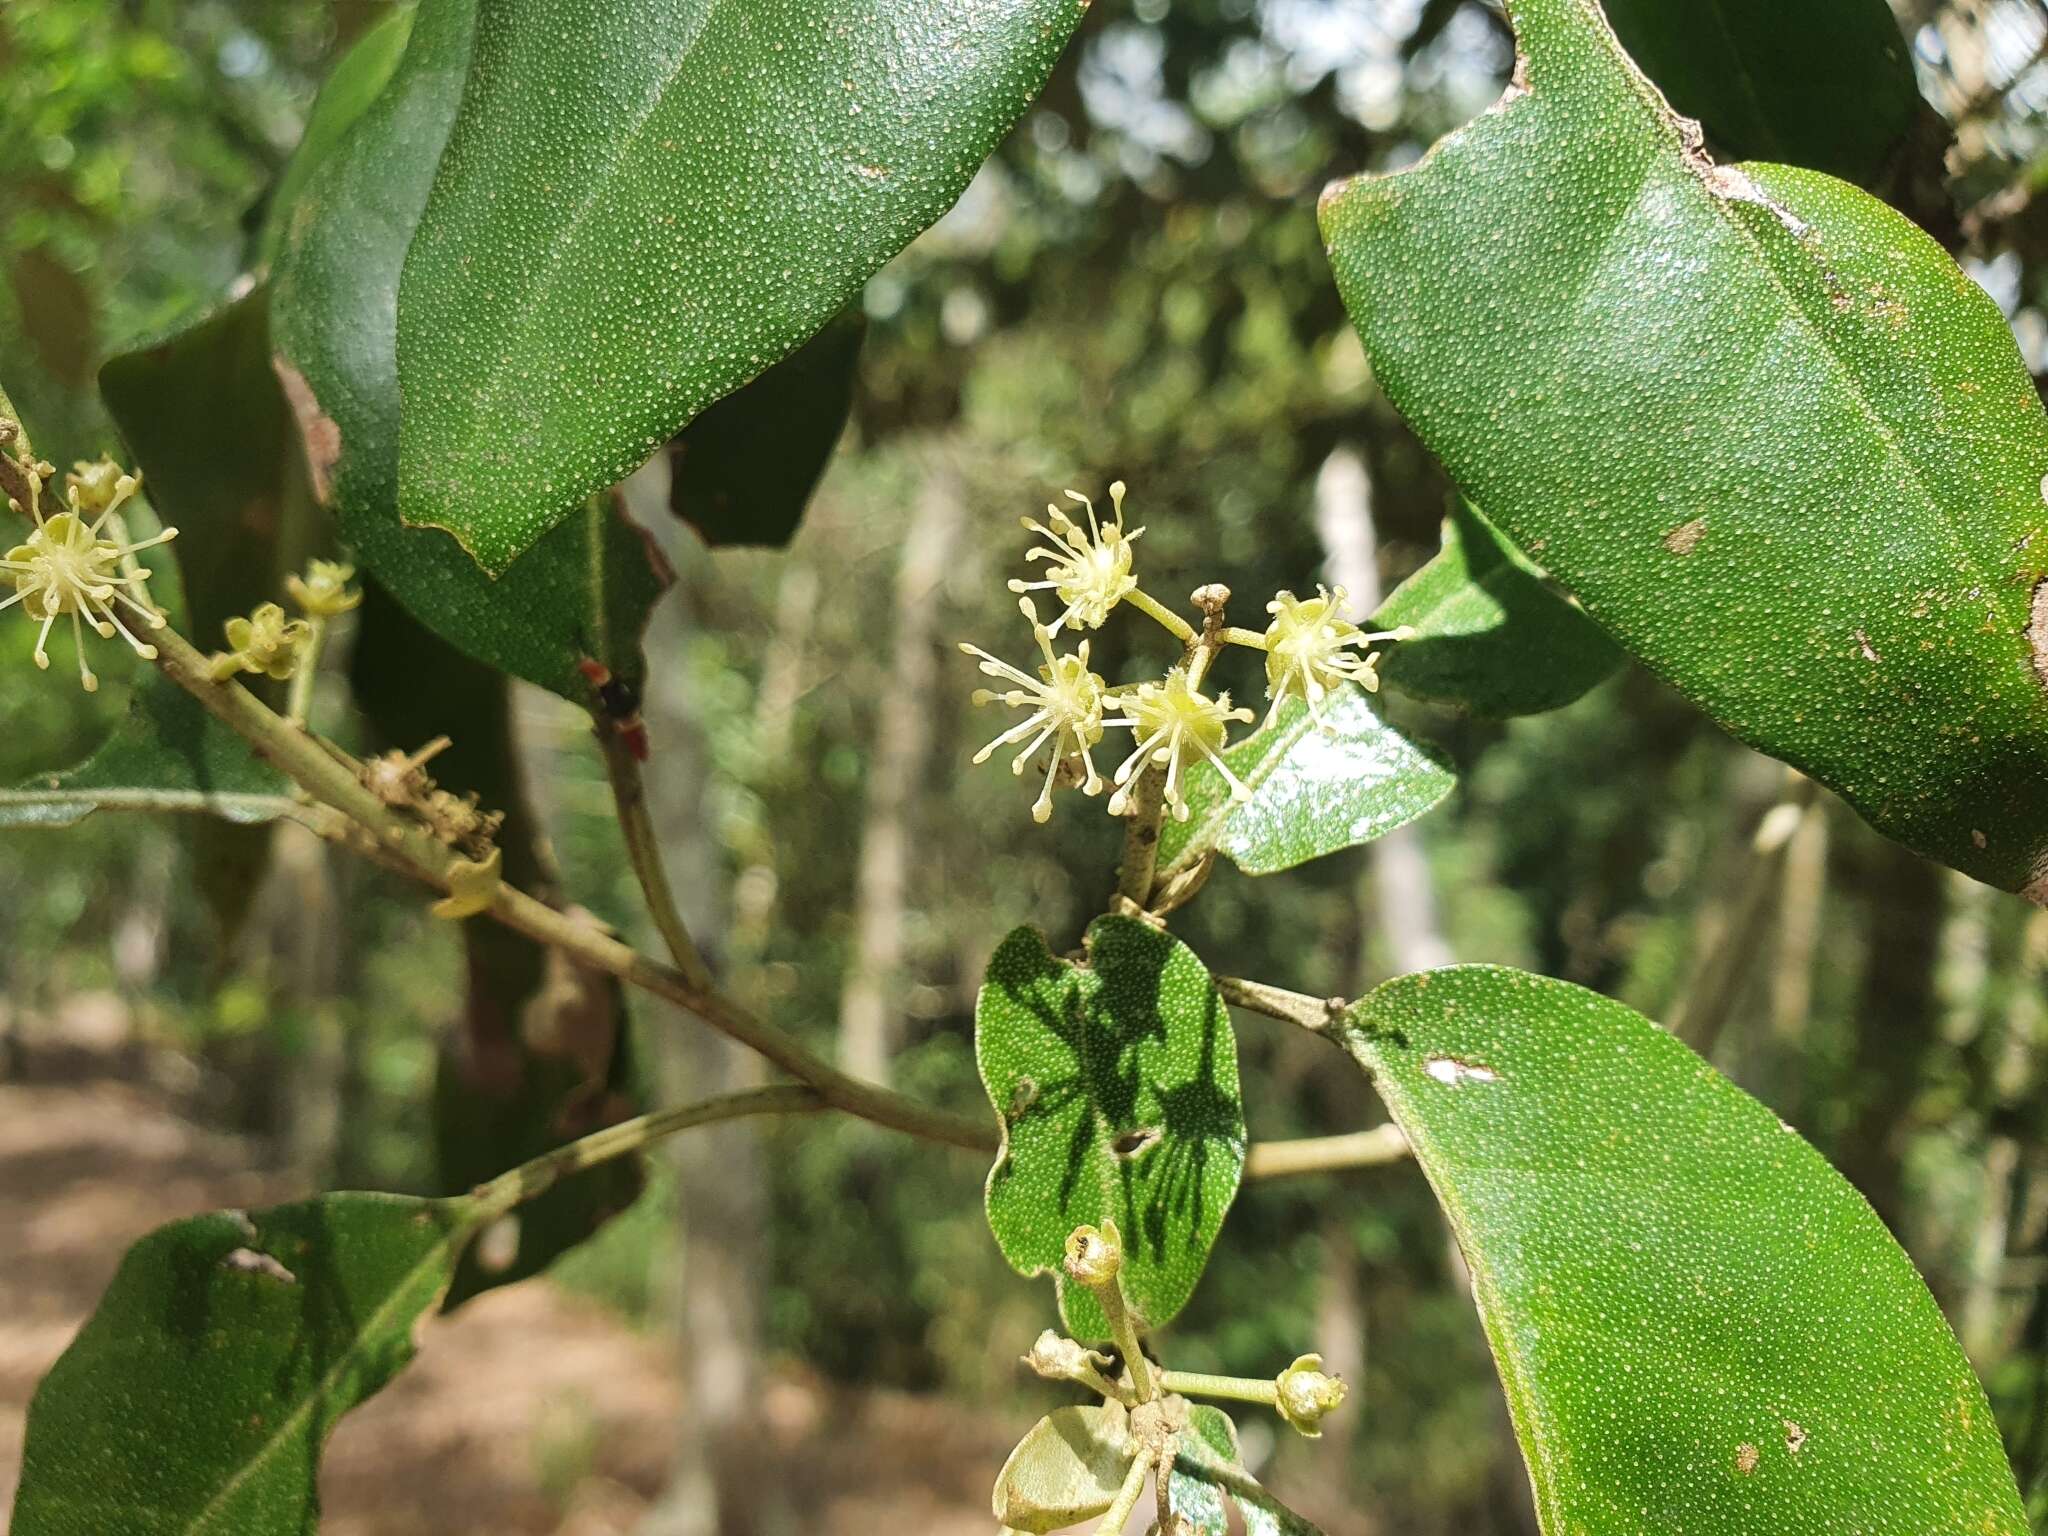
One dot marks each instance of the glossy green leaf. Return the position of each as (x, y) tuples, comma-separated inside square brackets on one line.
[(744, 470), (585, 589), (1768, 433), (196, 1399), (1745, 69), (1490, 636), (541, 1055), (167, 754), (1700, 1326), (1316, 787), (643, 205), (1066, 1469), (1116, 1084), (353, 84)]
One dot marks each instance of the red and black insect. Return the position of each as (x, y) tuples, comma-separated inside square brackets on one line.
[(620, 702)]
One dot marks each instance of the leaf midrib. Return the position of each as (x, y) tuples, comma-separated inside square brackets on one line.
[(319, 1391)]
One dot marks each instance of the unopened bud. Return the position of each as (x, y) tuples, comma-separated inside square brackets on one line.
[(1095, 1255), (97, 486), (324, 590), (1306, 1394), (1061, 1359)]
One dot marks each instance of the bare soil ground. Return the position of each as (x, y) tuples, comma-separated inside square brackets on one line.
[(528, 1413)]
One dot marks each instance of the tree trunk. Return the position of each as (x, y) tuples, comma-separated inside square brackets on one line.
[(896, 765)]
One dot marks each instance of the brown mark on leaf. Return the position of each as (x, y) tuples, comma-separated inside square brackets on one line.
[(250, 1262), (2037, 631), (1746, 1458), (317, 429), (1795, 1437), (1863, 644), (1685, 538), (1023, 1094), (1133, 1143)]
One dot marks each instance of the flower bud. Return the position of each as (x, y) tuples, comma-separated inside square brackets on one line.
[(324, 590), (1306, 1394), (1095, 1256), (97, 486), (266, 642)]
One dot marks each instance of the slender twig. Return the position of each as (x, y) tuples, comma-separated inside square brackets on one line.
[(1152, 608), (532, 1179), (1321, 1015), (643, 851), (1375, 1148), (348, 814), (298, 707), (1134, 871)]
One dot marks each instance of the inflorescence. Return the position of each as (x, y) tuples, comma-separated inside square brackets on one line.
[(80, 563), (1311, 650)]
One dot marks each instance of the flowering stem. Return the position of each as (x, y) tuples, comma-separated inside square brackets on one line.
[(1152, 608), (532, 1179), (1376, 1148), (1251, 637), (1236, 1389), (299, 703)]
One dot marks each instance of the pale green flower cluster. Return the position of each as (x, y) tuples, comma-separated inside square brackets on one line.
[(1311, 651)]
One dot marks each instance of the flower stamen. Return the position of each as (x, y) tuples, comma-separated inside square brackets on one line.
[(1065, 700), (1312, 650), (1089, 571), (1176, 725)]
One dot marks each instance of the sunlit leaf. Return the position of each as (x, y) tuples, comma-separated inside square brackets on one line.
[(1116, 1084), (1700, 1326), (1066, 1469), (1765, 430), (1317, 786), (645, 203)]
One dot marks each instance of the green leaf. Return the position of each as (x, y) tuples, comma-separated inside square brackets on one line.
[(1490, 636), (1746, 70), (1209, 1467), (1700, 1326), (209, 429), (197, 1397), (583, 591), (1316, 788), (353, 84), (1116, 1085), (1066, 1469), (643, 205), (745, 469), (542, 1055), (167, 754), (1769, 434)]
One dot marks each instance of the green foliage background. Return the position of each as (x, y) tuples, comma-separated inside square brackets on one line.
[(1135, 288)]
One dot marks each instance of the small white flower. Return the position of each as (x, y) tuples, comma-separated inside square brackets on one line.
[(1310, 650), (1065, 700), (67, 567), (1176, 725), (1088, 571)]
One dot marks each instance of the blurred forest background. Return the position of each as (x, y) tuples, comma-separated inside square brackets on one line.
[(1133, 288)]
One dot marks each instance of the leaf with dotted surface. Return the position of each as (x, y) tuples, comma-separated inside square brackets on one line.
[(1115, 1081), (1762, 427), (583, 590), (197, 1398), (643, 205), (1207, 1474), (1699, 1324), (1490, 636), (1318, 784)]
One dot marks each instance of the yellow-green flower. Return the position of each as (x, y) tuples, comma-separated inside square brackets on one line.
[(265, 642), (1312, 649), (67, 566), (1089, 571), (1065, 700), (1306, 1394), (1176, 725), (324, 590)]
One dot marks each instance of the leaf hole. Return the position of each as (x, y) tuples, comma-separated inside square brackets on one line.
[(1450, 1071), (1136, 1143)]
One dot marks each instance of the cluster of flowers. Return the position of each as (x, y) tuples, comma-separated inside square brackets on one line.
[(1311, 651), (78, 563)]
